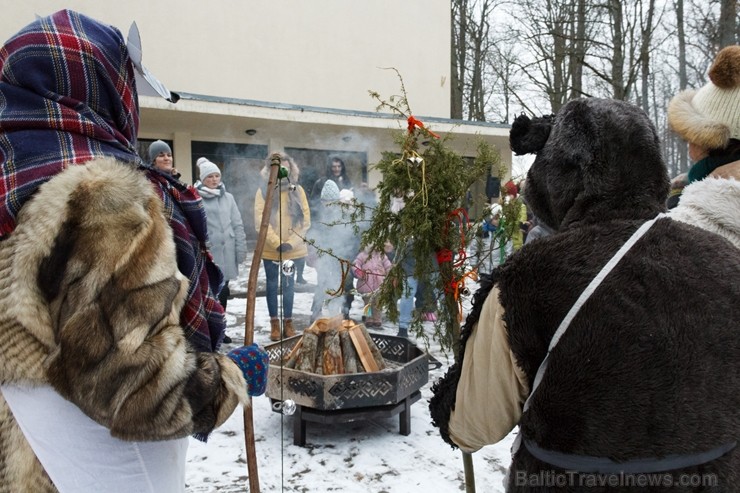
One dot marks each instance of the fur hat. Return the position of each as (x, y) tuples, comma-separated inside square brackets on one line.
[(206, 168), (710, 117), (156, 147), (330, 191), (346, 196)]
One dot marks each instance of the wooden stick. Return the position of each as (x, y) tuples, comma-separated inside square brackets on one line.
[(363, 351), (467, 458), (293, 354), (254, 482)]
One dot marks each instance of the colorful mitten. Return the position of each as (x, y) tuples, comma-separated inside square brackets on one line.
[(254, 362)]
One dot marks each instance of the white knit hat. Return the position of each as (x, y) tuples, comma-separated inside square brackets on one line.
[(330, 191), (710, 117), (206, 168)]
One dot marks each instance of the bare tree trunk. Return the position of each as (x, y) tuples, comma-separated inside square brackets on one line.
[(478, 34), (683, 155), (559, 59), (617, 71), (459, 49), (647, 38), (476, 97), (727, 23), (579, 51)]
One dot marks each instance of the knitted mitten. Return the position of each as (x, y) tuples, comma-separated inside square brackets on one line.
[(254, 362)]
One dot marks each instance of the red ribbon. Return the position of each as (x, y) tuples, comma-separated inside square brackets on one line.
[(444, 256), (413, 123)]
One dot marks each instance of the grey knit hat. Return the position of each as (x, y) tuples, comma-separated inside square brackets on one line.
[(156, 147)]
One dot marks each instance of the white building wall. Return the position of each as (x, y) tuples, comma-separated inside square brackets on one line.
[(326, 53)]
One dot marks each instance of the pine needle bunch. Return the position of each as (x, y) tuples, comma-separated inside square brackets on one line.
[(510, 212), (430, 181)]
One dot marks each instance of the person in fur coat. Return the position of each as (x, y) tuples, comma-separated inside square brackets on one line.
[(108, 321), (612, 343), (709, 120)]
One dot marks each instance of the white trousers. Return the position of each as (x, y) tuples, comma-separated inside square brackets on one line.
[(81, 456)]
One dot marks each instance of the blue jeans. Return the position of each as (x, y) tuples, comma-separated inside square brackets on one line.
[(406, 303), (272, 271)]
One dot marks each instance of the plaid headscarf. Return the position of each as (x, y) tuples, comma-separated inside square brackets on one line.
[(202, 316), (68, 95)]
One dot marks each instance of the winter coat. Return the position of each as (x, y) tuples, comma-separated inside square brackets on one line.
[(370, 270), (334, 230), (281, 229), (650, 365), (226, 237), (90, 305), (712, 204)]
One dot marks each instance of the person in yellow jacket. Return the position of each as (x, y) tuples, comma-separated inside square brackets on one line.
[(290, 219)]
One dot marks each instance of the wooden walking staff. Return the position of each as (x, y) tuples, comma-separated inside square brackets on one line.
[(254, 482)]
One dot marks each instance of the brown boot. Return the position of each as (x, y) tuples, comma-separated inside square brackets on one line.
[(288, 330), (274, 329)]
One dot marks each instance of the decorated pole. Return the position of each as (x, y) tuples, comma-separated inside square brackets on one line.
[(254, 482)]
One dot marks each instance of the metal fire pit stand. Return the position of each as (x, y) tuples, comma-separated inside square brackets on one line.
[(304, 415), (345, 398)]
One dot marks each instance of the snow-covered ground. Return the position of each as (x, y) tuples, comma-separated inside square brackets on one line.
[(362, 456)]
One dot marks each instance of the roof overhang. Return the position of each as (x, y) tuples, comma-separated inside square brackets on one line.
[(227, 120)]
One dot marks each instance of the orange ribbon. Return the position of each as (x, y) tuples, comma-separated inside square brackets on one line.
[(459, 285)]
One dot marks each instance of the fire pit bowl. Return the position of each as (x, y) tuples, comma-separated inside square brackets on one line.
[(355, 396)]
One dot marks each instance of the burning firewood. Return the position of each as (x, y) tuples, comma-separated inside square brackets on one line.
[(332, 346)]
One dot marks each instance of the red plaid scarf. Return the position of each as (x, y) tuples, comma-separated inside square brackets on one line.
[(68, 95)]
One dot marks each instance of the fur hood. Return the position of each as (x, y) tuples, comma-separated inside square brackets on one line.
[(293, 170), (588, 168)]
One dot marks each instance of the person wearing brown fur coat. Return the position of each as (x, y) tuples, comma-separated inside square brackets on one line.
[(644, 383), (102, 380)]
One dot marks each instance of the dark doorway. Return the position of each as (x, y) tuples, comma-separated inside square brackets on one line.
[(315, 162)]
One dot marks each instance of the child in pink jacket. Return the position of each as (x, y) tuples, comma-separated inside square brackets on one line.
[(370, 270)]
